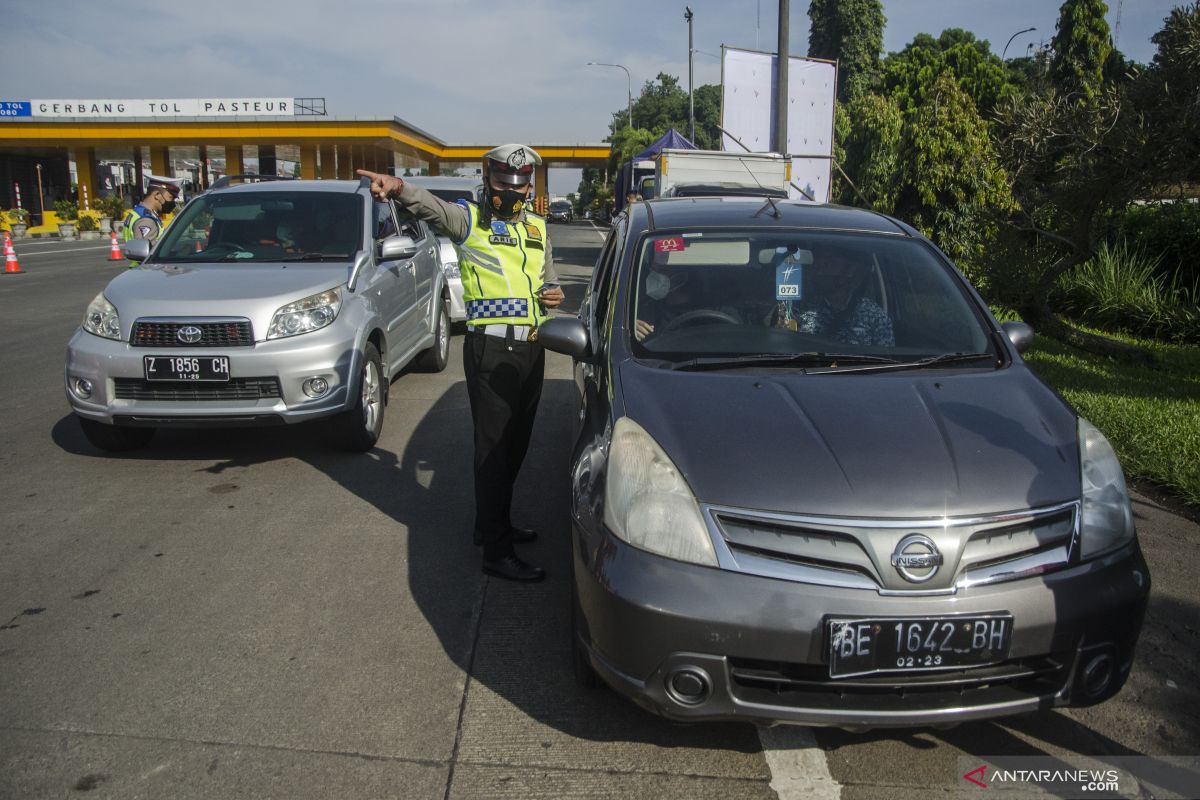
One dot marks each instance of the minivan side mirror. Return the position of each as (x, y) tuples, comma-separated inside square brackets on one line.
[(1020, 334), (565, 335), (136, 250), (397, 247)]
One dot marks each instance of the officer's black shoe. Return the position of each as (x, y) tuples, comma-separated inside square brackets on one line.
[(519, 536), (512, 568)]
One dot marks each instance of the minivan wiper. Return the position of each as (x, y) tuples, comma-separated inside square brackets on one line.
[(780, 360), (944, 358)]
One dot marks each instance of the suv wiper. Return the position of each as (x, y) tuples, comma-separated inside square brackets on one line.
[(944, 358), (314, 257), (781, 360)]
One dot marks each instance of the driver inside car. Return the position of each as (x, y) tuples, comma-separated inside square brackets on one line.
[(674, 299), (835, 304)]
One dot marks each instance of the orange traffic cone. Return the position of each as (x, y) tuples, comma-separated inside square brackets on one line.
[(11, 265), (199, 247), (114, 254)]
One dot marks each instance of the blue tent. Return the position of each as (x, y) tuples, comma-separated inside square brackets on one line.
[(672, 139)]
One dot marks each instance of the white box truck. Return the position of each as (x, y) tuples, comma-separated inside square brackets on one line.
[(694, 173)]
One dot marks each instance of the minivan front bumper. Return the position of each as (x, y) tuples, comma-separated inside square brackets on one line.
[(699, 643)]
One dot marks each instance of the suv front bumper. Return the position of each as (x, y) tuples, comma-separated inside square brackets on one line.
[(265, 386)]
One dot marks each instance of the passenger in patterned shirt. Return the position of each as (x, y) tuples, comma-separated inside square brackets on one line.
[(836, 307)]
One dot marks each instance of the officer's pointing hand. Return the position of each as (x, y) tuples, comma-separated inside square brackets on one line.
[(382, 186)]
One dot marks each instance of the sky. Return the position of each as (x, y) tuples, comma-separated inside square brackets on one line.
[(466, 71)]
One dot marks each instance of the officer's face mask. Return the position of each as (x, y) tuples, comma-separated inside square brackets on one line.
[(507, 202), (168, 206)]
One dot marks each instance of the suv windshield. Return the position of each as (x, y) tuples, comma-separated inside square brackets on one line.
[(754, 293), (560, 205), (265, 226)]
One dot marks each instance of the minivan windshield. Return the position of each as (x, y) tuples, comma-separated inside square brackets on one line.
[(560, 205), (265, 226), (754, 295)]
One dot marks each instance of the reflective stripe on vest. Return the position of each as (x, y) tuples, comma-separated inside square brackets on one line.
[(501, 268)]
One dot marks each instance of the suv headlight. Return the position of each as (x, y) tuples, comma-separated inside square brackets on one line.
[(101, 319), (450, 265), (648, 504), (307, 315), (1107, 515)]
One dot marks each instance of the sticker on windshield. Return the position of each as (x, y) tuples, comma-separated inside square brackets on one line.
[(669, 244), (787, 281)]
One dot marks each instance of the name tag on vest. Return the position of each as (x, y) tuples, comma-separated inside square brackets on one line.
[(510, 241)]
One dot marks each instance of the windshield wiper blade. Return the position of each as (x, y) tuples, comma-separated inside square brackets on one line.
[(315, 257), (949, 358), (944, 358), (780, 360)]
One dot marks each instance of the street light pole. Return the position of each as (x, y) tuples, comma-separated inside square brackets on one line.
[(628, 86), (1010, 41), (687, 15)]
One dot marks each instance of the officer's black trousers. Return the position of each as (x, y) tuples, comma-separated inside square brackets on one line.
[(504, 382)]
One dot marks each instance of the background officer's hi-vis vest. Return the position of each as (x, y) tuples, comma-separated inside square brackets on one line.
[(501, 269), (128, 232)]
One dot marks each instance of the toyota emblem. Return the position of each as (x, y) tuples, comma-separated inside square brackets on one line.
[(916, 558), (189, 334)]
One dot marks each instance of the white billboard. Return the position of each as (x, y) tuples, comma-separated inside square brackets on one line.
[(194, 107), (747, 100)]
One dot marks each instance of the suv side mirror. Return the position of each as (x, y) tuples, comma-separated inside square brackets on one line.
[(1020, 334), (397, 247), (136, 250), (565, 335)]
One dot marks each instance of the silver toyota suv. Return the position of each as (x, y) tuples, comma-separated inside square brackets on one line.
[(263, 303)]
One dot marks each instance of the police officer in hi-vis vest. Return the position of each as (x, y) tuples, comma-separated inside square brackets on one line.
[(144, 221), (509, 283)]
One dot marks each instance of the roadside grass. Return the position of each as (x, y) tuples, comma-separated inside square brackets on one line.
[(1151, 414)]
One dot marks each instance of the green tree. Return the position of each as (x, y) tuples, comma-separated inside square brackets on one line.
[(850, 32), (1075, 163), (869, 131), (1081, 47), (951, 179), (979, 72)]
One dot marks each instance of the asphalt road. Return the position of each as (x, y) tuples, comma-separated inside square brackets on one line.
[(247, 614)]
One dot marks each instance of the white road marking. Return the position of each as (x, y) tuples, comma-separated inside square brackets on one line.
[(23, 253), (596, 228), (798, 767)]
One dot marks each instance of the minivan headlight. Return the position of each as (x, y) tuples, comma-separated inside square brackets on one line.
[(101, 318), (1107, 515), (648, 504), (307, 315)]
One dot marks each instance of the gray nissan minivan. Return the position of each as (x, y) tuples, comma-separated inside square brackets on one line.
[(814, 481)]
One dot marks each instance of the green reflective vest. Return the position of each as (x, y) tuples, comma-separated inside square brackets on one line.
[(501, 269), (131, 217)]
